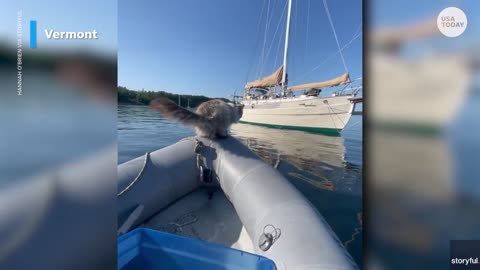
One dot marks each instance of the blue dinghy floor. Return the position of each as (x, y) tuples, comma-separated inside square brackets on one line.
[(147, 249)]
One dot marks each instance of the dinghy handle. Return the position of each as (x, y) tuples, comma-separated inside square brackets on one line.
[(267, 239), (198, 153), (205, 174)]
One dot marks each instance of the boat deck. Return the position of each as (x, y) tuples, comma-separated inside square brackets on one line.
[(204, 214)]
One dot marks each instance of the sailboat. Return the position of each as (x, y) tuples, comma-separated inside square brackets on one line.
[(420, 94), (270, 101)]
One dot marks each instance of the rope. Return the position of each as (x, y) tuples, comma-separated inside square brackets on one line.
[(197, 149), (359, 29), (145, 161), (292, 45), (347, 85), (328, 58), (276, 30), (335, 34), (265, 56), (176, 226), (306, 38), (262, 55), (278, 49), (336, 114), (333, 121), (257, 39)]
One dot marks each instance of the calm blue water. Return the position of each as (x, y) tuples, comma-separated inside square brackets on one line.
[(51, 124), (327, 170)]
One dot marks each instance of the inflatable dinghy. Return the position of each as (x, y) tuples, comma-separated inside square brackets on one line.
[(221, 192)]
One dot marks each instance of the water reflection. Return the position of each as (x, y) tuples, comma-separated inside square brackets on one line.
[(313, 158), (416, 199), (299, 147), (327, 170)]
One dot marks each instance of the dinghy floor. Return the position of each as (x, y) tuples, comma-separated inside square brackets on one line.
[(204, 216)]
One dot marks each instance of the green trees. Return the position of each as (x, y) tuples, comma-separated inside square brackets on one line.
[(127, 96)]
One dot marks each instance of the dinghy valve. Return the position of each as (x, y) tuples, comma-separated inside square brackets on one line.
[(269, 236)]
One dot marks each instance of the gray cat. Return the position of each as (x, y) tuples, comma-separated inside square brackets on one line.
[(211, 119)]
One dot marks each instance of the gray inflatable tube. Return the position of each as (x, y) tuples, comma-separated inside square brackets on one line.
[(264, 200)]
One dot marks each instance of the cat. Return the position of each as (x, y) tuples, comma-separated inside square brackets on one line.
[(212, 118)]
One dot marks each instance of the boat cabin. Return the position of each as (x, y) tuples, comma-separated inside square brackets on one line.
[(256, 93), (312, 92)]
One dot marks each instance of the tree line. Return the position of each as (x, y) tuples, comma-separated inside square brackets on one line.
[(127, 96)]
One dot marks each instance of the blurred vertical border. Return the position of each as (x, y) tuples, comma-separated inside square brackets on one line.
[(58, 136), (421, 111)]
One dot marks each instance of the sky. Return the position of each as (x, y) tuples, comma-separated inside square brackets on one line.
[(213, 47), (390, 13), (394, 12)]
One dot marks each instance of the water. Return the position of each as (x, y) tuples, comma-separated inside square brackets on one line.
[(327, 170), (50, 125), (423, 191)]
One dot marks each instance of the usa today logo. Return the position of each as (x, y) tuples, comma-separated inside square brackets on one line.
[(452, 22)]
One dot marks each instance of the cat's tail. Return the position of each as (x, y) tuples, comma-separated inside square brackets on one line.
[(171, 110)]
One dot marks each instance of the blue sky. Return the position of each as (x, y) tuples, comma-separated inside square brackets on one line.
[(211, 48), (388, 13), (393, 12)]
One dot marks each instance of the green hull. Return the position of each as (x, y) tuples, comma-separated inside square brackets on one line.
[(324, 131), (410, 129)]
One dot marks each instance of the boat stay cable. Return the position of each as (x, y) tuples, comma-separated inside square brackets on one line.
[(275, 34), (335, 34), (277, 53), (305, 52), (257, 39), (333, 121), (336, 114), (262, 55), (357, 35), (294, 36)]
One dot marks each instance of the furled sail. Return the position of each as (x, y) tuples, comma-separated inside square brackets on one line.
[(401, 34), (271, 80), (344, 78)]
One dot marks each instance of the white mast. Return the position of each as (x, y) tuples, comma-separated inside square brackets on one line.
[(284, 76)]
